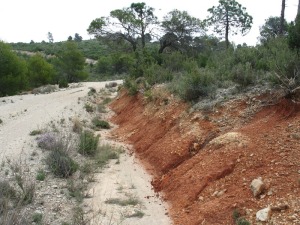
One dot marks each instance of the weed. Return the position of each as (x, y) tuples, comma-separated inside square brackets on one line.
[(61, 164), (100, 123), (77, 125), (89, 108), (123, 202), (91, 91), (88, 143), (238, 219), (35, 132), (7, 194), (49, 141), (41, 175), (37, 218), (76, 190), (101, 108), (27, 188), (78, 216), (105, 153), (106, 101), (137, 213)]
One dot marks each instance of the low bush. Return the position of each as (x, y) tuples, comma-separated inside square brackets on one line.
[(61, 164), (102, 124), (41, 175), (50, 141), (105, 153), (88, 143), (190, 86), (7, 195), (89, 108)]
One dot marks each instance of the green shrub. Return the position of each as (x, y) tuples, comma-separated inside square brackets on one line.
[(105, 153), (61, 164), (88, 143), (131, 86), (7, 194), (35, 132), (89, 108), (155, 74), (41, 175), (100, 123), (192, 85), (37, 218)]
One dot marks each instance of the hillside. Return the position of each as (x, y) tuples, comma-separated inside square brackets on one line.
[(204, 160)]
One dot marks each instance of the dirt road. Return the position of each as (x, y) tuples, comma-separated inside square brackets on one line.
[(22, 114)]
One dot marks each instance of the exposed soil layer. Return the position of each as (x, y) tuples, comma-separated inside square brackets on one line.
[(204, 162)]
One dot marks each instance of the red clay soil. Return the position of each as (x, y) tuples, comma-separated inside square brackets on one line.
[(204, 163)]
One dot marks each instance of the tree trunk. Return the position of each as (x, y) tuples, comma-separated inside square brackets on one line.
[(282, 18), (298, 12), (227, 31)]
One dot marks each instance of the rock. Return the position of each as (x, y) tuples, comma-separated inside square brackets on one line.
[(263, 214), (257, 186)]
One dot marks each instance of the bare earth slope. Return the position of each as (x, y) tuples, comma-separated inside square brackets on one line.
[(204, 162)]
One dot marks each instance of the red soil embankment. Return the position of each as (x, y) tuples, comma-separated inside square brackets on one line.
[(204, 163)]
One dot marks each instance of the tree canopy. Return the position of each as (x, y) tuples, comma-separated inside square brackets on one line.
[(229, 17), (179, 27), (271, 29), (133, 24)]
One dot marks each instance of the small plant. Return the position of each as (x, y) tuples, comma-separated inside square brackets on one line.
[(49, 141), (37, 218), (61, 164), (101, 108), (137, 213), (89, 108), (27, 188), (91, 91), (76, 190), (77, 125), (78, 216), (35, 132), (88, 143), (7, 194), (41, 175), (102, 124), (238, 219), (1, 121), (111, 84), (106, 101), (123, 202), (105, 153)]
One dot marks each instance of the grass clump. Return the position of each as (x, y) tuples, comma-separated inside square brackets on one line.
[(101, 108), (102, 124), (61, 164), (35, 132), (137, 213), (37, 218), (77, 125), (238, 219), (89, 108), (76, 190), (41, 175), (88, 143), (7, 195), (92, 91), (50, 141), (105, 153), (1, 121), (123, 202)]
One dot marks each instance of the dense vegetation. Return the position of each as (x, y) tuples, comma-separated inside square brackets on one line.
[(176, 50)]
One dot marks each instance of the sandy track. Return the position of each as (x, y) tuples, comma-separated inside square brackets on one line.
[(23, 114)]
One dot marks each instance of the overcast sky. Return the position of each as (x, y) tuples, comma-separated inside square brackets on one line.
[(26, 20)]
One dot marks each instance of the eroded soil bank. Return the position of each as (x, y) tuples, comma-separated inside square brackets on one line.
[(204, 161)]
